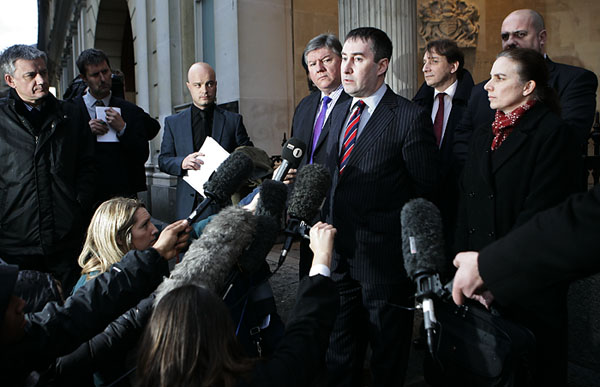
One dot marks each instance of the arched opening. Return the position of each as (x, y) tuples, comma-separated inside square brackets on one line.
[(115, 38)]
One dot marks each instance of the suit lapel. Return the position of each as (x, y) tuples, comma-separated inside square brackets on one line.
[(184, 127), (377, 125), (218, 125), (325, 132), (517, 138)]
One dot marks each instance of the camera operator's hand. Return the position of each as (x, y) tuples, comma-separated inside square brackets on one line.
[(173, 239), (467, 281), (321, 243)]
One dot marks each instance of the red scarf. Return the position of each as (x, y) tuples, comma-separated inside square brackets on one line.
[(504, 124)]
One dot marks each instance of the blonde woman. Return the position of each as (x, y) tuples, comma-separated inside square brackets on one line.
[(118, 226)]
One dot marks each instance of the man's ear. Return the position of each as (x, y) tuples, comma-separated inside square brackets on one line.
[(10, 81), (454, 68), (382, 66), (528, 88)]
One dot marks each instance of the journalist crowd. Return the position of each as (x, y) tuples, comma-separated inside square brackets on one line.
[(95, 291)]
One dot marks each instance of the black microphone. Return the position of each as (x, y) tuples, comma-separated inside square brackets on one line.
[(223, 183), (306, 200), (292, 153), (211, 258), (423, 251)]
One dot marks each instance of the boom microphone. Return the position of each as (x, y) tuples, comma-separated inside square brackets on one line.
[(306, 199), (210, 259), (423, 251), (223, 183), (292, 153)]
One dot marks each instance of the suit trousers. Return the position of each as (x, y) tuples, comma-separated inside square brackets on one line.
[(370, 314)]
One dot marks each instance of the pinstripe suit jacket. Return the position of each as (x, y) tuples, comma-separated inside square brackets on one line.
[(394, 159)]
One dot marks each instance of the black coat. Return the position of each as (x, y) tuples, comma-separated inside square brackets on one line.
[(301, 353), (303, 126), (576, 89), (533, 169), (121, 166), (447, 196), (46, 181), (58, 330)]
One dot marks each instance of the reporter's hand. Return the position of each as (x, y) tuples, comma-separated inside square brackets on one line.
[(191, 161), (114, 119), (98, 127), (173, 239), (321, 243), (467, 281), (252, 205), (290, 177)]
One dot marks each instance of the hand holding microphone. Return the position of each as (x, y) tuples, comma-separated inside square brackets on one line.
[(292, 154)]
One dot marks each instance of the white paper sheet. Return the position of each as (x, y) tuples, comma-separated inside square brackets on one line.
[(111, 135), (214, 155)]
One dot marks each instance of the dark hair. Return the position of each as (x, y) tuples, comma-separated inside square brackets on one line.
[(324, 40), (531, 66), (449, 49), (190, 341), (380, 43), (16, 52), (91, 56)]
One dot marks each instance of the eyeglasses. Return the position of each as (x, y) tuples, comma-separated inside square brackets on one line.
[(516, 35)]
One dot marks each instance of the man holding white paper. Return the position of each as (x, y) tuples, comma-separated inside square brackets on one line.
[(121, 129), (185, 134)]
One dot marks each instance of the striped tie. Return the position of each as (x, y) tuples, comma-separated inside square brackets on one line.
[(350, 134)]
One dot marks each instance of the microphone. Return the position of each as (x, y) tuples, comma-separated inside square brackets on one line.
[(306, 199), (210, 259), (292, 153), (223, 183), (423, 251)]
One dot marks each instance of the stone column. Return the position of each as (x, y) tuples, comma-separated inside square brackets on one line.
[(398, 18)]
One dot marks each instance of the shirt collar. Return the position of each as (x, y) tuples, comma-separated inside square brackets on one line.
[(334, 94), (373, 100), (90, 100), (450, 91)]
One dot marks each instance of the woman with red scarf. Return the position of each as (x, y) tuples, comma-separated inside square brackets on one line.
[(521, 163)]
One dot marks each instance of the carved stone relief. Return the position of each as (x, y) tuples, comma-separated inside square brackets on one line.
[(451, 19)]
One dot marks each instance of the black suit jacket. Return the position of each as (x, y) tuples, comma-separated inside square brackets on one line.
[(120, 165), (228, 130), (533, 169), (303, 126), (394, 159), (576, 88)]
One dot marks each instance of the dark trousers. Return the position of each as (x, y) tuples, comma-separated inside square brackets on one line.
[(370, 314)]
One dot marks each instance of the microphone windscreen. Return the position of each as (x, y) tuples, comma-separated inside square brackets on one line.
[(309, 192), (293, 151), (267, 229), (272, 199), (422, 238), (228, 177), (210, 259)]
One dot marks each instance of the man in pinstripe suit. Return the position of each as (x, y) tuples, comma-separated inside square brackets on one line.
[(382, 153)]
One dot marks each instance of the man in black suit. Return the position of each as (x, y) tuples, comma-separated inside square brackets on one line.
[(445, 94), (323, 55), (557, 245), (185, 132), (576, 87), (382, 152), (119, 162)]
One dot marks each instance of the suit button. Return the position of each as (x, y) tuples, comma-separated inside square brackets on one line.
[(471, 194), (491, 234), (490, 196), (471, 231)]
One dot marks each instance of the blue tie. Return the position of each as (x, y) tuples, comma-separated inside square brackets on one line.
[(319, 126)]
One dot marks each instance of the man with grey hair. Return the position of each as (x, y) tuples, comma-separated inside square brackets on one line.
[(323, 55), (47, 175), (576, 87)]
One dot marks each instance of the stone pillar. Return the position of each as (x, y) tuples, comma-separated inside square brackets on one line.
[(398, 19)]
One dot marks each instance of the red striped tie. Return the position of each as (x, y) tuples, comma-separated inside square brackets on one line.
[(350, 134)]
